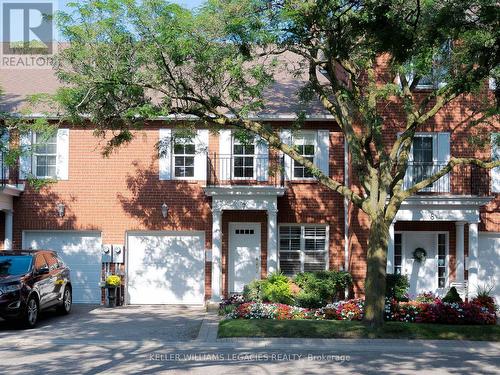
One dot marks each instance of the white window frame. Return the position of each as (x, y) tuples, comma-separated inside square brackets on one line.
[(302, 243), (36, 154), (303, 136), (236, 142), (436, 85), (183, 141)]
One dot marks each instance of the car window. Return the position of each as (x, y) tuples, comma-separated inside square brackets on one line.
[(51, 261), (14, 265), (40, 262)]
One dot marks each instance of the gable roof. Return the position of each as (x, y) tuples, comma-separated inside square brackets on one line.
[(281, 97)]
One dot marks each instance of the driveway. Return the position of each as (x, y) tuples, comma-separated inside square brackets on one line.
[(129, 323)]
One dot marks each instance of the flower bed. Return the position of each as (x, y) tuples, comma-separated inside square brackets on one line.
[(412, 311), (440, 312), (259, 310)]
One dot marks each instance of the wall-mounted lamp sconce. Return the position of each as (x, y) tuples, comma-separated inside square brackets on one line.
[(60, 209), (164, 210)]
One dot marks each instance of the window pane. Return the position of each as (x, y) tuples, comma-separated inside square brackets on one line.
[(51, 160), (41, 171), (189, 161), (249, 172), (309, 150), (190, 149), (179, 161), (238, 149), (178, 149)]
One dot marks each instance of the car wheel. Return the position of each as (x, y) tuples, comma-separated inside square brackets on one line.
[(65, 307), (31, 313)]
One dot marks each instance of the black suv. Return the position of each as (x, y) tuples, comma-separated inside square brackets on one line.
[(31, 281)]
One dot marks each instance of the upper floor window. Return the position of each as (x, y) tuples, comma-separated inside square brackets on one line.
[(430, 152), (184, 154), (435, 77), (305, 144), (44, 156), (243, 159)]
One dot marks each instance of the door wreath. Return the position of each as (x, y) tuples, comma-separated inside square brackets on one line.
[(419, 254)]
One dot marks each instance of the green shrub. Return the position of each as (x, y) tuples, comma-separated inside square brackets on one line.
[(308, 300), (452, 296), (253, 292), (276, 288), (320, 288), (397, 286)]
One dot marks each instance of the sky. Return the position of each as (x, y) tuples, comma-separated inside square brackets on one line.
[(15, 17)]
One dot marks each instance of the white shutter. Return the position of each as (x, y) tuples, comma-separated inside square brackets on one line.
[(200, 159), (5, 150), (225, 153), (286, 138), (262, 159), (495, 155), (62, 159), (443, 156), (26, 158), (165, 157), (323, 151)]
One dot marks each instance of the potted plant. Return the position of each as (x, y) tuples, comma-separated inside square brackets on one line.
[(113, 282)]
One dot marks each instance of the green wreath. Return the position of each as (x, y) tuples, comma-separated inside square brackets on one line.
[(419, 254)]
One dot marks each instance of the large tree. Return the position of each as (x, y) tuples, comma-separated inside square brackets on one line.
[(128, 61)]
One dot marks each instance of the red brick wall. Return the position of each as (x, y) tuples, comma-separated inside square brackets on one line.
[(123, 193)]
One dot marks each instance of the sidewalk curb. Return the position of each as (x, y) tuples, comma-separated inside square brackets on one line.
[(209, 328)]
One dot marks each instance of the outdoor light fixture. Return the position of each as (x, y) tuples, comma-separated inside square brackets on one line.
[(164, 210), (60, 209)]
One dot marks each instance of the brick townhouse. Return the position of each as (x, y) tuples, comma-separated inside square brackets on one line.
[(210, 214)]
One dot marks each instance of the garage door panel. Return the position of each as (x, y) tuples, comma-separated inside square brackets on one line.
[(166, 269), (81, 251)]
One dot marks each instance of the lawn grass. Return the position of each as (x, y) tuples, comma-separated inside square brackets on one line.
[(354, 330)]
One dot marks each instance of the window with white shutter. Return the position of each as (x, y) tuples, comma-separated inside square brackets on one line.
[(303, 248), (44, 156), (495, 155)]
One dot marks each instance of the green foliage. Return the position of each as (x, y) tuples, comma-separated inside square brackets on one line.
[(397, 287), (309, 300), (452, 296), (320, 288), (253, 291), (276, 288)]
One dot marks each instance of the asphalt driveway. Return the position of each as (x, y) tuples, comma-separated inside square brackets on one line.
[(129, 323)]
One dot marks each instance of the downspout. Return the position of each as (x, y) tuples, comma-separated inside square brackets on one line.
[(346, 206)]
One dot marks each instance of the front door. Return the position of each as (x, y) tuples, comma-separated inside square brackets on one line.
[(244, 255), (428, 275)]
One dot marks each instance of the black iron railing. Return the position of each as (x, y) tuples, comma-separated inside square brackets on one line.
[(462, 180), (8, 175), (245, 170)]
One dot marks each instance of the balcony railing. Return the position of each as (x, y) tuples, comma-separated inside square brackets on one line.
[(462, 180), (8, 175), (245, 170)]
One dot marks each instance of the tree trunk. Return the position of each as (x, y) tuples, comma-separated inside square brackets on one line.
[(376, 259)]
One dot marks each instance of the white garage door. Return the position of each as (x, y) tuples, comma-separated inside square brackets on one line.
[(81, 251), (166, 268), (489, 262)]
